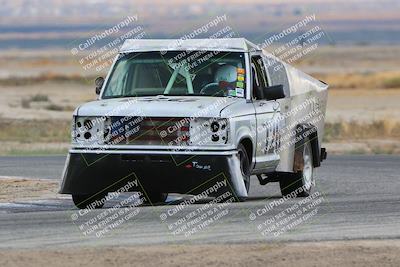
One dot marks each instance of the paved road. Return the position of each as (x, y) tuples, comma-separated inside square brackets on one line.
[(44, 167), (355, 197)]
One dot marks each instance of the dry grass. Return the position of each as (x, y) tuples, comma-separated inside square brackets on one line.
[(15, 148), (46, 77), (366, 80), (356, 130), (42, 101), (392, 82), (363, 146), (34, 131), (56, 107), (26, 102), (377, 137)]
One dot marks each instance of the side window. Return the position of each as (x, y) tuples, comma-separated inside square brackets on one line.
[(277, 73), (256, 81), (259, 77), (263, 74)]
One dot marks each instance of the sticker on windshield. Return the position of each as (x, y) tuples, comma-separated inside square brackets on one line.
[(240, 78), (232, 92), (239, 92), (240, 71), (240, 84)]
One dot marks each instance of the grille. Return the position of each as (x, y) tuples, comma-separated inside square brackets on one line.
[(148, 131)]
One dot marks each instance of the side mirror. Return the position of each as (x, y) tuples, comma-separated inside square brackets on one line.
[(274, 92), (99, 84)]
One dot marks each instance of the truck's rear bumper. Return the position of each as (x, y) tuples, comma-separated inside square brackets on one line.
[(88, 173)]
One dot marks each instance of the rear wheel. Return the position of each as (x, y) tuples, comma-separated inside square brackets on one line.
[(89, 201), (300, 183), (153, 197)]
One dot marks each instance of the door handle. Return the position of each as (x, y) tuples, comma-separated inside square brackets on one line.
[(262, 104)]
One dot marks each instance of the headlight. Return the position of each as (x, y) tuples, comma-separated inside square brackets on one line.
[(90, 130), (208, 131)]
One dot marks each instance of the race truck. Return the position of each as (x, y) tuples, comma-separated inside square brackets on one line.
[(181, 116)]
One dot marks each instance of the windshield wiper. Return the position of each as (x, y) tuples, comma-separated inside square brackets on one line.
[(178, 94), (192, 95), (122, 96)]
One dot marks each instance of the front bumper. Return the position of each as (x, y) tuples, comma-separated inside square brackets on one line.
[(161, 171)]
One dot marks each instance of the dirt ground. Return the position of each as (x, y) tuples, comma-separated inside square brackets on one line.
[(12, 189), (330, 253), (363, 105), (64, 95)]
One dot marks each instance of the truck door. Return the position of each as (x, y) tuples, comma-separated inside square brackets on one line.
[(276, 73), (267, 117)]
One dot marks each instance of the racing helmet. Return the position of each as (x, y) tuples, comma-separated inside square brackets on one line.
[(226, 73)]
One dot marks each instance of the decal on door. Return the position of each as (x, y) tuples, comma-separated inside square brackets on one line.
[(273, 131)]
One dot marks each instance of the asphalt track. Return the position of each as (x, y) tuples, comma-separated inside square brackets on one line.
[(356, 197)]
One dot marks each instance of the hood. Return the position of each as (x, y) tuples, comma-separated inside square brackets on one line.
[(158, 106)]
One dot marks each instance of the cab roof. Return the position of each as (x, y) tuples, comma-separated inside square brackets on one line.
[(223, 44)]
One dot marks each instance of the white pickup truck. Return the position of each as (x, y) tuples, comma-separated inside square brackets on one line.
[(173, 115)]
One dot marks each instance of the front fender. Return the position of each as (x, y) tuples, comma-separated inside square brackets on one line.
[(244, 129)]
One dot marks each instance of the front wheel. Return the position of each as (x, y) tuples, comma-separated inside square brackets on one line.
[(300, 183), (244, 166)]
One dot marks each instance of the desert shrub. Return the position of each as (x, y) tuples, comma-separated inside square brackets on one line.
[(26, 103), (39, 98), (54, 107), (392, 83)]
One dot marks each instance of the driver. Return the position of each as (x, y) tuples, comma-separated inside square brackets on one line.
[(225, 76), (224, 81)]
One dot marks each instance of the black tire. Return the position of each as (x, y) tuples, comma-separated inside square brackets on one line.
[(89, 201), (153, 197), (300, 184), (244, 166)]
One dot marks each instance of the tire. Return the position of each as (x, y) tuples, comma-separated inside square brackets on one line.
[(244, 166), (89, 201), (300, 183), (155, 197)]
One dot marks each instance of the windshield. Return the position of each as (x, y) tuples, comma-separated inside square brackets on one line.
[(204, 73)]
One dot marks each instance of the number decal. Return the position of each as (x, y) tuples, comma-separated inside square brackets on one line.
[(273, 134)]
